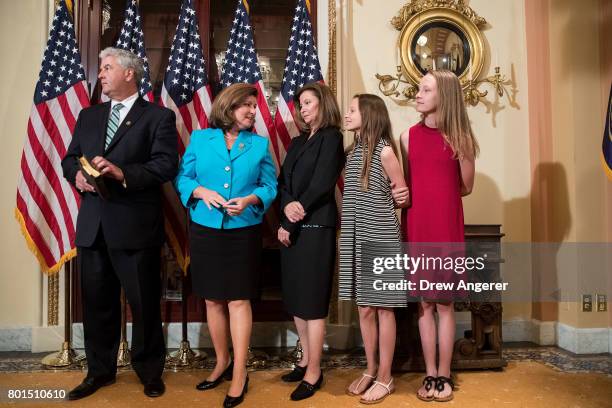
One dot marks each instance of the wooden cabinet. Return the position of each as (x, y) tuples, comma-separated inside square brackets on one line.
[(481, 345)]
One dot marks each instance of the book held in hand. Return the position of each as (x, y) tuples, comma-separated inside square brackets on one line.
[(93, 177)]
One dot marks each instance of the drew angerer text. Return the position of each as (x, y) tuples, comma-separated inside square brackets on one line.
[(424, 284)]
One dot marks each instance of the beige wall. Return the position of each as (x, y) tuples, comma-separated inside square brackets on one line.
[(23, 36), (577, 124), (503, 181)]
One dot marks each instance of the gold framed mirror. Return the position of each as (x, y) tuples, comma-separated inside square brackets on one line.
[(439, 38), (440, 34)]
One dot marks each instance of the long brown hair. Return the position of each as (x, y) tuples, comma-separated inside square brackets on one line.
[(452, 118), (375, 126), (329, 112)]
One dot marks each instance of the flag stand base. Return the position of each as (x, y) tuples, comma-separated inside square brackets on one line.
[(63, 358), (185, 357), (257, 359), (295, 355)]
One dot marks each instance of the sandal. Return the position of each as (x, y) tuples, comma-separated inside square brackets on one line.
[(429, 382), (363, 377), (376, 401), (440, 381)]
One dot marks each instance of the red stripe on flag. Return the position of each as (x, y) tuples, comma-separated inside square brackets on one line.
[(199, 111), (47, 169), (281, 129), (186, 115), (43, 204), (82, 93), (275, 147), (262, 105), (150, 96), (65, 107), (34, 233), (48, 121)]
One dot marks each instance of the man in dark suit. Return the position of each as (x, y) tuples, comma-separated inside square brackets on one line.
[(133, 143)]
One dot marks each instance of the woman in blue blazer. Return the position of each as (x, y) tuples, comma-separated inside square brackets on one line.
[(227, 179)]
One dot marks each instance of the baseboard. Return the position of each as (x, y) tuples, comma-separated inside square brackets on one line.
[(15, 338), (264, 334), (544, 333), (339, 337), (584, 341), (47, 338)]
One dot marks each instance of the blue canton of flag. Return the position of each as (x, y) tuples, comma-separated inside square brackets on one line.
[(301, 67), (61, 65), (241, 63), (132, 39), (302, 63), (186, 71)]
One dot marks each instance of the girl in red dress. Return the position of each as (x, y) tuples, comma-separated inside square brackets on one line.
[(439, 155)]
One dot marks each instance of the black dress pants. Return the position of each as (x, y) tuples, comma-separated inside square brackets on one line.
[(103, 272)]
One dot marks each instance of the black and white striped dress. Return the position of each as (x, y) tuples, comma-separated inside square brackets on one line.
[(369, 228)]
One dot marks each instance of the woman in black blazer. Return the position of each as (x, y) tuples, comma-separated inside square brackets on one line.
[(307, 183)]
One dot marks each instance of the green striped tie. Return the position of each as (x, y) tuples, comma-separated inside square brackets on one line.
[(113, 125)]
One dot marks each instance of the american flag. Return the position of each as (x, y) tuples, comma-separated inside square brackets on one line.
[(241, 65), (186, 91), (47, 205), (301, 67), (132, 39)]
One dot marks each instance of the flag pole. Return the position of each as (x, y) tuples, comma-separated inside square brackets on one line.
[(185, 357), (123, 355), (66, 356)]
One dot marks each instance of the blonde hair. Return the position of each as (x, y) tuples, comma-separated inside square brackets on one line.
[(329, 112), (222, 111), (375, 126), (452, 118)]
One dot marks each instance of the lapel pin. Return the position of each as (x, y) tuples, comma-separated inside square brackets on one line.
[(128, 123), (241, 146)]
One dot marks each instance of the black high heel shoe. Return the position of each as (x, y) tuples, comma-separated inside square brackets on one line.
[(230, 402), (306, 390), (225, 375)]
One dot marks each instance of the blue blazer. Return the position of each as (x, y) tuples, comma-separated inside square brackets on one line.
[(247, 169)]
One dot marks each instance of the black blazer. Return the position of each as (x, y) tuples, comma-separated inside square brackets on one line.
[(145, 149), (309, 175)]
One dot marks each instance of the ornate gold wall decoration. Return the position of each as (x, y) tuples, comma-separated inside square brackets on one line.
[(417, 6), (440, 34)]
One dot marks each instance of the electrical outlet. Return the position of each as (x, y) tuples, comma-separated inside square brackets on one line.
[(587, 303), (602, 303)]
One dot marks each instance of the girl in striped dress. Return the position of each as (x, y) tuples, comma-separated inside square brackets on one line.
[(370, 228)]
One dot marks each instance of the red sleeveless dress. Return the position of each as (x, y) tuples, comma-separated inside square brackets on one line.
[(436, 211)]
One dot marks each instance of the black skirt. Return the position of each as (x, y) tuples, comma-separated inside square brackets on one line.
[(225, 262), (308, 271)]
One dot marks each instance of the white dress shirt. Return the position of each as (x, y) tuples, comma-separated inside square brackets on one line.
[(127, 105)]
